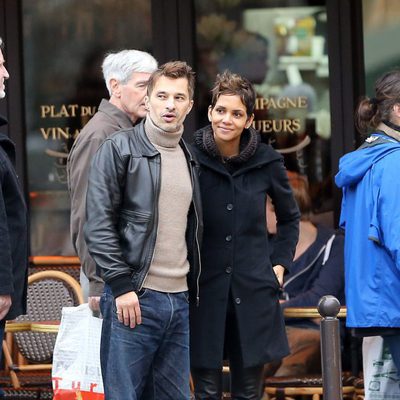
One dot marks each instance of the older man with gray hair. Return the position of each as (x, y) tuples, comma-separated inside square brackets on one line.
[(126, 74)]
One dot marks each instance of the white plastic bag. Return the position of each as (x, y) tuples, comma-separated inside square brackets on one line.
[(76, 372), (380, 374)]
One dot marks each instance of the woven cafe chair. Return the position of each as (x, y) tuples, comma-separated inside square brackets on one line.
[(48, 292), (359, 392)]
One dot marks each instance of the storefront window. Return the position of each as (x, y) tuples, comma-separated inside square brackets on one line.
[(64, 45), (283, 51), (381, 23)]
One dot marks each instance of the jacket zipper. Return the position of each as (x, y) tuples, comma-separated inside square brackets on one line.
[(305, 269), (152, 248), (326, 248), (197, 225), (197, 242)]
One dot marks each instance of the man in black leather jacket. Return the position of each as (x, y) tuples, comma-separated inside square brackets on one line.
[(143, 230)]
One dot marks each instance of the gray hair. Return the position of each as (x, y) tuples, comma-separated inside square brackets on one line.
[(122, 65)]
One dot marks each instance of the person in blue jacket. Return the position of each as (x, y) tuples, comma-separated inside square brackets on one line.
[(317, 270), (370, 216)]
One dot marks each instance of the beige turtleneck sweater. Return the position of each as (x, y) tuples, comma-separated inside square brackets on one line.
[(170, 266)]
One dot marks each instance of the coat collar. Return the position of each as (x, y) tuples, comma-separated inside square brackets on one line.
[(249, 141), (252, 154), (115, 113)]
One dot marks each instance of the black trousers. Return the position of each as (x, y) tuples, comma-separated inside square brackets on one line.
[(246, 383)]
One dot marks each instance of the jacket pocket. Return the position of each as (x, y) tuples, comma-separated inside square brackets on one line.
[(134, 230)]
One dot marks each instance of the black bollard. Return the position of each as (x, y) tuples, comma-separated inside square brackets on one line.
[(329, 307)]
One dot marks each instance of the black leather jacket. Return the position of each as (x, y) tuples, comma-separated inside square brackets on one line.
[(122, 211)]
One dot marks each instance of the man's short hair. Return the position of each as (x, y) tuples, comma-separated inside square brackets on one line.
[(173, 70), (122, 65)]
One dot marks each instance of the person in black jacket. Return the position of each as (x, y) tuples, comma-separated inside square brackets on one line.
[(143, 230), (239, 316), (13, 228), (317, 270)]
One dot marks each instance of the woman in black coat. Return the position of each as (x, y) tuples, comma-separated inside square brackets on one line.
[(238, 316)]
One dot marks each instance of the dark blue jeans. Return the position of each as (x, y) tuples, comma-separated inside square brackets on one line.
[(150, 361)]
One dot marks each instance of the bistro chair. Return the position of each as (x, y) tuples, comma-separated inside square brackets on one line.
[(359, 392), (306, 385), (48, 292)]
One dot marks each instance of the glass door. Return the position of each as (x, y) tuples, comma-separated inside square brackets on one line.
[(64, 43), (381, 22), (283, 51)]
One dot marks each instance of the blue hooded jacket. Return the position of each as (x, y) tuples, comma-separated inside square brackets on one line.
[(370, 215)]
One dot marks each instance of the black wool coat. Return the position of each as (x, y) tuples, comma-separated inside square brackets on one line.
[(236, 257), (13, 231)]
